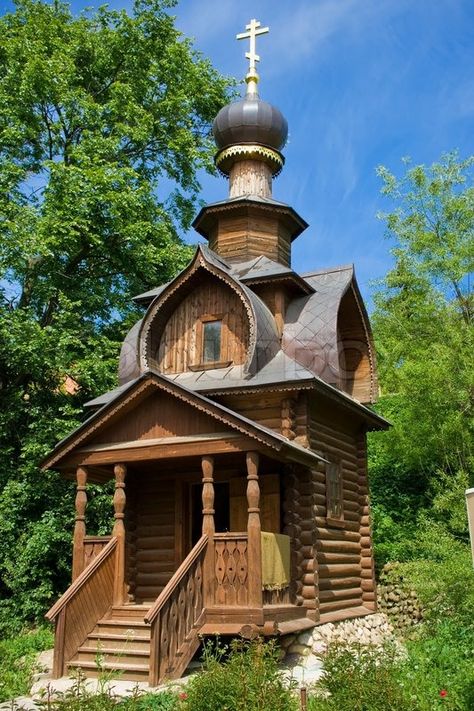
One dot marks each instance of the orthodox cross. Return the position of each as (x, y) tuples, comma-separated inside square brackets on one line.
[(254, 29)]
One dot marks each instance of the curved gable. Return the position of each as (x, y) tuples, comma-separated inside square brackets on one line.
[(170, 338)]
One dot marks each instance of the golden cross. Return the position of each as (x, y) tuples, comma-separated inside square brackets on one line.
[(254, 29)]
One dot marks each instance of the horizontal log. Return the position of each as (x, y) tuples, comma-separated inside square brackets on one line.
[(338, 534), (367, 585), (365, 542), (339, 570), (309, 579), (348, 525), (154, 531), (336, 583), (369, 596), (340, 594), (157, 542), (366, 562), (155, 555), (330, 546), (154, 566), (338, 605), (365, 531), (345, 558), (152, 579)]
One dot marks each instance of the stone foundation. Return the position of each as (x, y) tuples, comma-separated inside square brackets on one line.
[(307, 647)]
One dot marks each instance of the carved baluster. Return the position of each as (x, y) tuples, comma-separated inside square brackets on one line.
[(254, 532), (208, 527), (80, 524), (120, 471)]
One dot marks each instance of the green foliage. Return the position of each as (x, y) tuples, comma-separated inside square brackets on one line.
[(433, 675), (423, 325), (244, 676), (104, 122), (359, 678), (17, 661)]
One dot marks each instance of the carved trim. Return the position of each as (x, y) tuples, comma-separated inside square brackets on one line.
[(151, 381), (225, 158), (369, 344)]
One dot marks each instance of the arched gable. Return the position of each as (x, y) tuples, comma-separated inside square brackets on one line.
[(170, 335)]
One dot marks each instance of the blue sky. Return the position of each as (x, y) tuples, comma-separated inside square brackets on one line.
[(362, 83)]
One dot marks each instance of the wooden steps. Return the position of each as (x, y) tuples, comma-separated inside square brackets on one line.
[(119, 642)]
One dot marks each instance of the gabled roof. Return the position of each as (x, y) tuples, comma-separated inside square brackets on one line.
[(311, 335), (152, 380)]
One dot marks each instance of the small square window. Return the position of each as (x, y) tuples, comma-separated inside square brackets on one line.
[(212, 332), (334, 493)]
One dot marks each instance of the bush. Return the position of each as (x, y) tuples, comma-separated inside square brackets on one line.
[(240, 677), (17, 661), (360, 678)]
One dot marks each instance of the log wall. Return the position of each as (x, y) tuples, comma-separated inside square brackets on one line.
[(153, 544), (342, 551)]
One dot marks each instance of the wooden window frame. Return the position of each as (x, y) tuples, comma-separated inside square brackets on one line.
[(209, 365), (334, 493)]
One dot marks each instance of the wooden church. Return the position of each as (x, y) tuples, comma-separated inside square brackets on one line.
[(236, 439)]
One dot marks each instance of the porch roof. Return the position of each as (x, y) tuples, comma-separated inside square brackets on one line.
[(258, 436)]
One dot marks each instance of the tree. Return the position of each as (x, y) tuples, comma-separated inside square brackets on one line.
[(423, 323), (104, 123)]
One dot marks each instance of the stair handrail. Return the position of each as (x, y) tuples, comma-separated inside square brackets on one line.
[(169, 588), (80, 580)]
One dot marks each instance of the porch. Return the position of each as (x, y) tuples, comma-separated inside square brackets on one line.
[(180, 562)]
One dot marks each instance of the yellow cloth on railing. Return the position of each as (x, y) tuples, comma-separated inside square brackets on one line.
[(275, 561)]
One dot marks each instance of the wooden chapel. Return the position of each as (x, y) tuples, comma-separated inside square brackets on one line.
[(236, 440)]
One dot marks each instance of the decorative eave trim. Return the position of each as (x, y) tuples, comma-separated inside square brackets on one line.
[(369, 338), (154, 380), (225, 158)]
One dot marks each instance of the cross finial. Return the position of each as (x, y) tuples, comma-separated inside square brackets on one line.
[(254, 29)]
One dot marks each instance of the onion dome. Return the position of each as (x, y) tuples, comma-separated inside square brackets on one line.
[(250, 129), (248, 121)]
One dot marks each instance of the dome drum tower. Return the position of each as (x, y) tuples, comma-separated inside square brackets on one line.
[(250, 134)]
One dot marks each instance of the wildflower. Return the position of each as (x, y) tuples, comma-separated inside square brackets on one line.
[(443, 693), (183, 696)]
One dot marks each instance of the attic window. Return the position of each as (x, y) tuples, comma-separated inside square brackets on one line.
[(334, 494), (211, 341)]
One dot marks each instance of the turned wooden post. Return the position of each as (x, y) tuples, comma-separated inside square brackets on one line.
[(80, 524), (254, 532), (120, 471), (208, 527)]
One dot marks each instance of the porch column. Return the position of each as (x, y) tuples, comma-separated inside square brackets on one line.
[(208, 527), (254, 532), (120, 471), (80, 523)]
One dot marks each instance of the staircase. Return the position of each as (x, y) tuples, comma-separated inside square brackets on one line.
[(119, 642)]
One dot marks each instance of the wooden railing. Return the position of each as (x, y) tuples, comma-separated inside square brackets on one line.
[(175, 617), (93, 545), (231, 569), (82, 605)]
